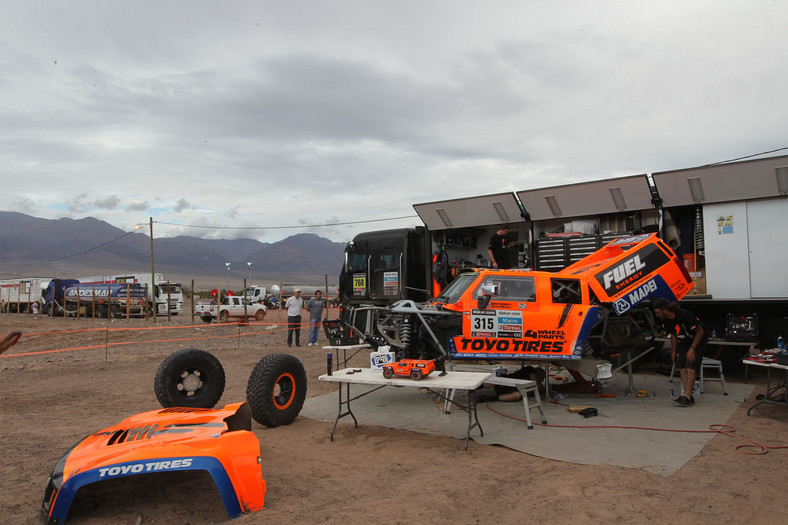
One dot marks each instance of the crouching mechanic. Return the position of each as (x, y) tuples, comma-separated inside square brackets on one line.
[(686, 340)]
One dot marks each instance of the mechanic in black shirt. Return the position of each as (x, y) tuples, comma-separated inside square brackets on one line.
[(498, 248), (686, 344)]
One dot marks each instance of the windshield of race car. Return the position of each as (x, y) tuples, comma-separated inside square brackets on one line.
[(455, 290), (510, 288)]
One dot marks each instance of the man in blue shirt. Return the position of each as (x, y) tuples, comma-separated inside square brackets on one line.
[(315, 306)]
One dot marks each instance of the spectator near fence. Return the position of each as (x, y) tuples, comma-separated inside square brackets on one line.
[(294, 304), (315, 305)]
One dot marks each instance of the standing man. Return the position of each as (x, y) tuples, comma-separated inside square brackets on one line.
[(294, 304), (498, 248), (315, 306), (686, 339)]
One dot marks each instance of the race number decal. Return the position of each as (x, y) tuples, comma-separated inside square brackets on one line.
[(359, 284), (497, 323), (483, 323)]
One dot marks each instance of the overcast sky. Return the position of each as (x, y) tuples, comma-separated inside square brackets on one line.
[(263, 114)]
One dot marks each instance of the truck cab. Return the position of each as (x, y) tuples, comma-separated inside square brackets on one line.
[(53, 293), (385, 266)]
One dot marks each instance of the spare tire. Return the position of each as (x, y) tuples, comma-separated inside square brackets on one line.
[(189, 378), (276, 390)]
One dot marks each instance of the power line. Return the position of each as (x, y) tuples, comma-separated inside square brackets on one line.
[(284, 227), (91, 249), (745, 157)]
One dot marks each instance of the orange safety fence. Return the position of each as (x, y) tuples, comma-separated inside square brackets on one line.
[(271, 329)]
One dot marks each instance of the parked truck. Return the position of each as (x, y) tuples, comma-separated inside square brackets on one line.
[(259, 294), (167, 296), (721, 221), (231, 306), (105, 300)]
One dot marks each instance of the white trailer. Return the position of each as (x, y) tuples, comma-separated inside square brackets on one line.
[(19, 295)]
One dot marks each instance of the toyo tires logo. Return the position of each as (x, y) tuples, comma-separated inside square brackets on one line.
[(149, 466)]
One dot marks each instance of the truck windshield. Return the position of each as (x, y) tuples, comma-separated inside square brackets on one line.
[(356, 262), (173, 288), (455, 290)]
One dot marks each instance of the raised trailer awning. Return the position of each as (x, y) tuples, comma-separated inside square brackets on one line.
[(484, 210), (754, 179), (588, 198)]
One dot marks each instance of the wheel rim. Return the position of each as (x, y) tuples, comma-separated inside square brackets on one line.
[(190, 382), (284, 391)]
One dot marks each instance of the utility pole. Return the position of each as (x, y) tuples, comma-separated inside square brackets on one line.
[(152, 274)]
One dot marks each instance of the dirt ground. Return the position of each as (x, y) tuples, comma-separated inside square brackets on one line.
[(50, 401)]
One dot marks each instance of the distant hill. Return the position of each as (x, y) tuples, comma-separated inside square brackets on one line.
[(31, 246)]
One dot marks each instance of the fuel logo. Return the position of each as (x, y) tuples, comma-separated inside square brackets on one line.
[(632, 270), (622, 271)]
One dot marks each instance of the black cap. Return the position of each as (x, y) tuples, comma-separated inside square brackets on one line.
[(659, 303)]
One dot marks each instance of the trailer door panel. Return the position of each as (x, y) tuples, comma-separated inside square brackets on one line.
[(768, 247)]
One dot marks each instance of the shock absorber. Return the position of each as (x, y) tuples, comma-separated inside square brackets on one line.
[(405, 330)]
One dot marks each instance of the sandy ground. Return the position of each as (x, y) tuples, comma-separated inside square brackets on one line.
[(50, 401)]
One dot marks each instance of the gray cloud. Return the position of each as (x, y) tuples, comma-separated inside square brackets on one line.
[(77, 203), (138, 206), (182, 205), (108, 203)]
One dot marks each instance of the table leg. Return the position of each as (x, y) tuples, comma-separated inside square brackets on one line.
[(341, 414), (472, 415), (768, 389), (547, 380)]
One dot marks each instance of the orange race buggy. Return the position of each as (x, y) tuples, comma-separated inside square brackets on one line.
[(416, 369), (593, 308)]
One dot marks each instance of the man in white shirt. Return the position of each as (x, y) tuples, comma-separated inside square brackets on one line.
[(294, 304)]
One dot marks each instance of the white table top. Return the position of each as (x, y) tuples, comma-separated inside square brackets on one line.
[(348, 347), (765, 365), (367, 376)]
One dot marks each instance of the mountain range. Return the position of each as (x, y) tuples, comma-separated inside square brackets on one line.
[(31, 246)]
